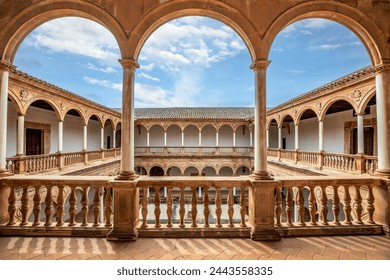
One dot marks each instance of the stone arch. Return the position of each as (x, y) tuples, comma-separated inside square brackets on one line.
[(109, 120), (226, 169), (188, 169), (78, 110), (47, 100), (156, 170), (140, 170), (369, 95), (15, 101), (242, 170), (172, 139), (176, 170), (364, 28), (331, 102), (98, 118), (270, 121), (156, 133), (37, 14), (285, 116), (173, 9), (209, 171), (303, 110)]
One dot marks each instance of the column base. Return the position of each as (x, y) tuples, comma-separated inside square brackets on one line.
[(5, 173), (261, 175), (384, 173), (122, 236), (127, 175), (265, 235)]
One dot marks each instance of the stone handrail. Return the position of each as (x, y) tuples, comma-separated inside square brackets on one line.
[(192, 150), (193, 207), (41, 163)]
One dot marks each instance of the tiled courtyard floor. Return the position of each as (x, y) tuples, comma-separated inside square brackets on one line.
[(292, 248)]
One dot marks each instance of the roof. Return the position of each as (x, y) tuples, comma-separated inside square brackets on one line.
[(195, 113)]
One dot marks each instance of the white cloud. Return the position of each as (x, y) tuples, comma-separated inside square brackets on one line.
[(148, 67), (295, 71), (76, 36), (306, 27), (149, 77), (108, 70), (103, 83), (326, 47)]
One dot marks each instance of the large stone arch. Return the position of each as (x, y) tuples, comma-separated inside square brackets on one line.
[(329, 104), (175, 9), (303, 110), (370, 94), (35, 15), (15, 101), (364, 28), (47, 100), (271, 121), (79, 111)]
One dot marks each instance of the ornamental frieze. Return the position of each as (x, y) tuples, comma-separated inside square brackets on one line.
[(357, 96), (23, 96)]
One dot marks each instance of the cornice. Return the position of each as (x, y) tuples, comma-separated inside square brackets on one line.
[(128, 63)]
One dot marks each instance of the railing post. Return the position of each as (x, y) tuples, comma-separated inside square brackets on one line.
[(85, 156), (61, 161), (20, 163), (381, 193), (320, 162), (102, 154), (279, 154), (296, 152), (126, 210), (261, 210), (360, 164)]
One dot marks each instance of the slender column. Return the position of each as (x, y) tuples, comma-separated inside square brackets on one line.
[(4, 76), (360, 134), (85, 145), (102, 138), (60, 135), (127, 160), (296, 131), (200, 138), (165, 138), (260, 153), (279, 137), (147, 138), (182, 138), (234, 138), (20, 135), (217, 139), (321, 135), (114, 138), (251, 138), (267, 136)]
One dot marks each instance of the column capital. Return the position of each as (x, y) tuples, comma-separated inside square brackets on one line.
[(384, 66), (5, 65), (129, 63), (260, 64)]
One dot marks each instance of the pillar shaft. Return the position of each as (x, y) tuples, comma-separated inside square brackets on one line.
[(360, 134), (234, 138), (4, 75), (200, 138), (85, 130), (127, 160), (102, 138), (147, 139), (296, 131), (260, 142), (114, 138), (182, 138), (165, 138), (60, 135), (321, 135), (279, 138), (216, 139), (20, 151)]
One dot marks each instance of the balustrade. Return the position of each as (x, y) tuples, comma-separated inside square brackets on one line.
[(189, 150)]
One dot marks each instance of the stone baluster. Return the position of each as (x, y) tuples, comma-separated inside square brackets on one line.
[(347, 206), (218, 208), (358, 206), (72, 207), (324, 206), (12, 207), (96, 208), (206, 203), (182, 210), (49, 206), (24, 207), (312, 206), (60, 206), (194, 210), (335, 205), (242, 207), (230, 207), (169, 207), (37, 206), (144, 210), (84, 207), (300, 206), (108, 207), (278, 207), (289, 207), (370, 205), (157, 210)]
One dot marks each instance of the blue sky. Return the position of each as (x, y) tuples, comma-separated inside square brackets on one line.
[(191, 61)]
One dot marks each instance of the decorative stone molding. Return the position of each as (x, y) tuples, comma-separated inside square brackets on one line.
[(319, 106), (23, 96), (128, 63), (260, 64), (7, 66), (357, 96), (62, 106)]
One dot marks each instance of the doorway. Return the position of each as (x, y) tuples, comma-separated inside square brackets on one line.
[(33, 141)]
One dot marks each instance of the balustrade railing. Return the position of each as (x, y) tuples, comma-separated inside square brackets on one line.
[(189, 150), (73, 158), (287, 154), (272, 152), (193, 207), (308, 157), (342, 162), (371, 164)]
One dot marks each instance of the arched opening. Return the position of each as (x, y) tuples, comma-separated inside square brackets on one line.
[(225, 134), (118, 136), (156, 171), (140, 136), (40, 129), (209, 136), (108, 137), (273, 134), (209, 171), (73, 129), (288, 133), (242, 136), (191, 171), (12, 122), (174, 136), (156, 136), (225, 171), (191, 136), (94, 133), (174, 171), (140, 170), (308, 131), (243, 170)]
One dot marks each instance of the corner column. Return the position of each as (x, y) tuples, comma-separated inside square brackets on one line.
[(260, 142), (4, 76), (127, 144)]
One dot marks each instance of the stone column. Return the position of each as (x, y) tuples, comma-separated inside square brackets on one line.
[(60, 135), (321, 135), (182, 138), (200, 138), (102, 138), (217, 139), (296, 131), (127, 160), (251, 138), (4, 76), (165, 138), (234, 138), (148, 138), (20, 145), (260, 143), (383, 117), (279, 138), (114, 138), (360, 134), (267, 135), (85, 133)]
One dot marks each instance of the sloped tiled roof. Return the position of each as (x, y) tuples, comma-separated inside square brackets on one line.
[(195, 113)]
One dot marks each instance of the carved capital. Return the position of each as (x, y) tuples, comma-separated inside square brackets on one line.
[(129, 63), (7, 66), (260, 64), (384, 66)]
